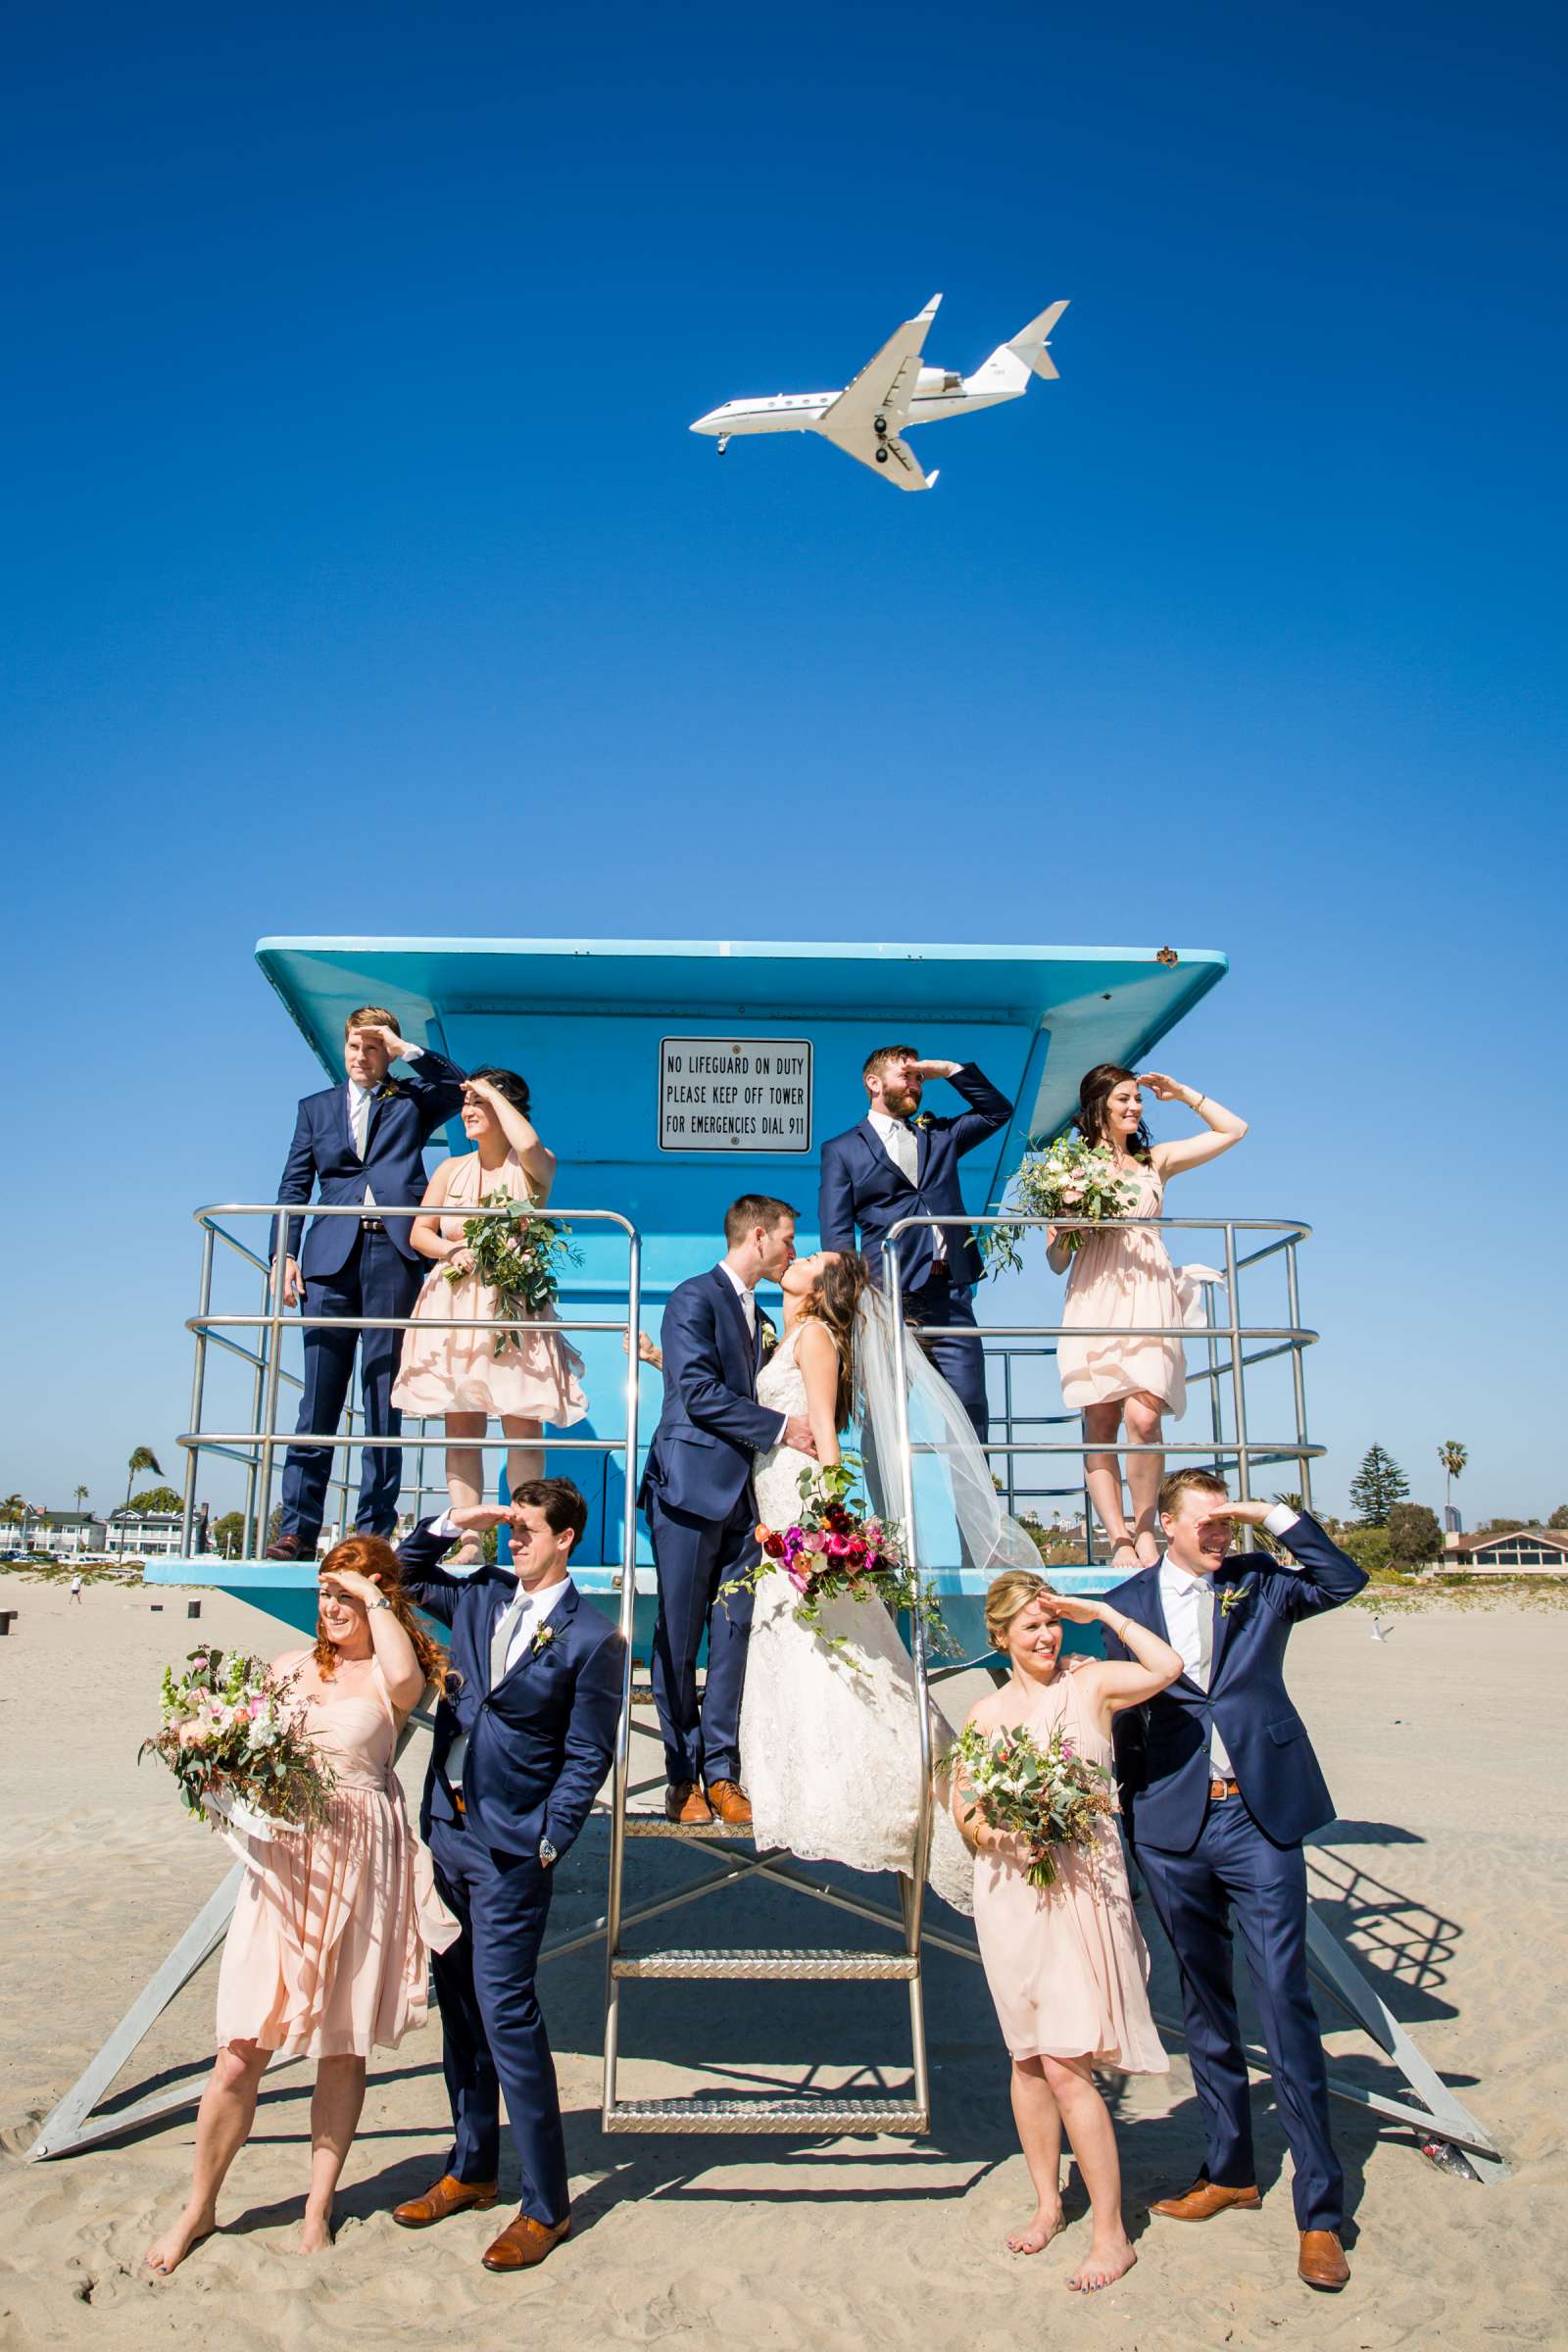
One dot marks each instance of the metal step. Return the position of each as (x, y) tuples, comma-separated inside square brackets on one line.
[(655, 1825), (819, 1966), (802, 2119)]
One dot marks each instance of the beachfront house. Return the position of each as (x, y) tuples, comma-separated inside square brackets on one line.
[(1521, 1551)]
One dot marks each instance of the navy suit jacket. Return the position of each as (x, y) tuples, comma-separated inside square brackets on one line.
[(1162, 1762), (711, 1428), (404, 1113), (541, 1740), (860, 1186)]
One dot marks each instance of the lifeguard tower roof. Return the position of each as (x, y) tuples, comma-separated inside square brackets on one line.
[(606, 1030)]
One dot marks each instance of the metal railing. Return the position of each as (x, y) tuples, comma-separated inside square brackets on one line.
[(257, 1448)]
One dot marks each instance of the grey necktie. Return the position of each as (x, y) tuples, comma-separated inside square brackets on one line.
[(361, 1120), (1204, 1603), (506, 1624)]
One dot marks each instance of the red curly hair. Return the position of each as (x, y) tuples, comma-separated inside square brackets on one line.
[(374, 1557)]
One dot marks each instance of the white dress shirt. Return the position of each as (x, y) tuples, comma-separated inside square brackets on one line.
[(1190, 1611), (530, 1617), (748, 1299), (898, 1139), (359, 1100)]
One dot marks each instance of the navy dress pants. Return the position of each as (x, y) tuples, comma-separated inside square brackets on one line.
[(491, 2024), (693, 1558), (962, 1362), (376, 1278), (1235, 1873)]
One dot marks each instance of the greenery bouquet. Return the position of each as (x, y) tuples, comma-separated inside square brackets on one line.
[(1069, 1178), (1049, 1797), (517, 1255)]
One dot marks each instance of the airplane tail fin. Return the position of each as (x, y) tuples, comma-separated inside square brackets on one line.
[(1031, 345)]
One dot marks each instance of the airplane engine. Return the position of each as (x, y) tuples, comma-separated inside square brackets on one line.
[(939, 379)]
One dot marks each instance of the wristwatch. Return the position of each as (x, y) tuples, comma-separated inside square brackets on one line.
[(378, 1604), (547, 1852)]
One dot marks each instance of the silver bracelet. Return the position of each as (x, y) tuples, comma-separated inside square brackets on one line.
[(377, 1604)]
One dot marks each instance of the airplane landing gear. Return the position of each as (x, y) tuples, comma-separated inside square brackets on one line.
[(881, 453), (724, 443), (879, 426)]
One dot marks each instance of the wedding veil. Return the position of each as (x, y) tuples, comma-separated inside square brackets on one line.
[(959, 1517)]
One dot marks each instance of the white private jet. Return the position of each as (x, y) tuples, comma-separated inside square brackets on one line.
[(893, 392)]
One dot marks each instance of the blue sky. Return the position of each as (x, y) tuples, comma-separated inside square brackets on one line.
[(363, 577)]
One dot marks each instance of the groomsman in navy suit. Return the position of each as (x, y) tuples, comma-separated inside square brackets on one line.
[(1220, 1786), (899, 1162), (363, 1142), (696, 1495), (523, 1739)]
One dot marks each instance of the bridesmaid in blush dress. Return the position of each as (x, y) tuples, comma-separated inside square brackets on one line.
[(328, 1952), (536, 1378), (1121, 1282), (1066, 1965)]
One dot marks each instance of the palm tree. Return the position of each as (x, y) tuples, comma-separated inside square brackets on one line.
[(81, 1497), (1454, 1458), (142, 1458)]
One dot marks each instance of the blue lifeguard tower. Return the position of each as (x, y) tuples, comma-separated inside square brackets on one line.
[(669, 1077)]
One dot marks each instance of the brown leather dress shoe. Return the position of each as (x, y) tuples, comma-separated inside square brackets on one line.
[(525, 2242), (685, 1803), (290, 1548), (730, 1802), (448, 2195), (1322, 2263), (1204, 2200)]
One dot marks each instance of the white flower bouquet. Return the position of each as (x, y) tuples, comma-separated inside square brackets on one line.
[(237, 1749), (1067, 1178)]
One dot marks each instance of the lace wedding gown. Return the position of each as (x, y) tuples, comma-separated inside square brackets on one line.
[(830, 1743)]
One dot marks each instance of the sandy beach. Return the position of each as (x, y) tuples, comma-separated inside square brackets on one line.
[(1446, 1872)]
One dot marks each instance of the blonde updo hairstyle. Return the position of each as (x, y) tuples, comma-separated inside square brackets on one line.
[(1014, 1589)]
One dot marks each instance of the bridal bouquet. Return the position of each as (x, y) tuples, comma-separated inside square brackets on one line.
[(516, 1256), (236, 1749), (1069, 1178), (837, 1548), (1051, 1796)]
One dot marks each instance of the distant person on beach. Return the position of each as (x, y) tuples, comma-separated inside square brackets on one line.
[(1120, 1286), (327, 1954), (362, 1142), (201, 1536), (76, 1587)]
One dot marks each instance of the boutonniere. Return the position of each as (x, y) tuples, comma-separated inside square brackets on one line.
[(387, 1088), (769, 1337), (921, 1121), (1233, 1597), (544, 1635)]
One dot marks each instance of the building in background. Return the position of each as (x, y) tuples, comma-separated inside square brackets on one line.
[(1522, 1551)]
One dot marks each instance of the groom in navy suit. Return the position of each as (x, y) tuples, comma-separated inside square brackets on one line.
[(523, 1737), (1220, 1786), (363, 1142), (696, 1495), (901, 1162)]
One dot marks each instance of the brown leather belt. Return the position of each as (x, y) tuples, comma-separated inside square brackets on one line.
[(372, 1225), (1219, 1790)]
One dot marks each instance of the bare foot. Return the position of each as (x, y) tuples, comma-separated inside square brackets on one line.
[(316, 2235), (468, 1555), (1037, 2234), (1102, 2265), (1124, 1556), (1147, 1547), (167, 2253)]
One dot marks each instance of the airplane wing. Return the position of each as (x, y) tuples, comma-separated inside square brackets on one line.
[(881, 395)]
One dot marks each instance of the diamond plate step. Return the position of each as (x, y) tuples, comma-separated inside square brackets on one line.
[(805, 1967), (801, 2118), (654, 1824)]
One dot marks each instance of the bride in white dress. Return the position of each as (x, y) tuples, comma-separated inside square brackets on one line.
[(830, 1741)]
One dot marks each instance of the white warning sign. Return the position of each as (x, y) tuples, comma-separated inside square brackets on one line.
[(723, 1093)]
